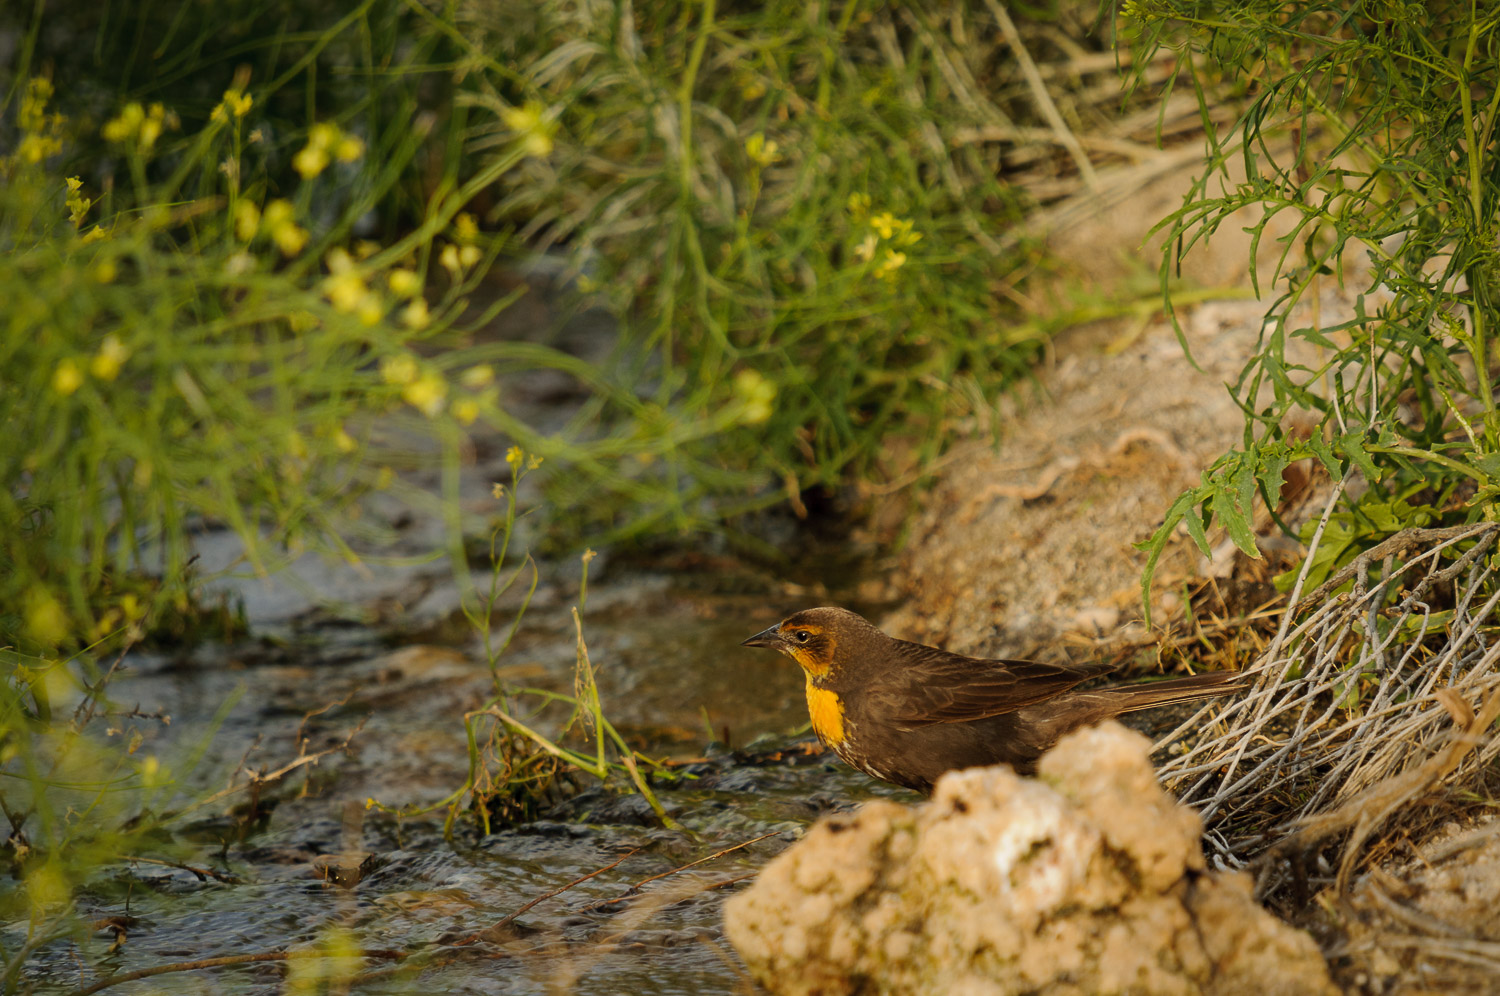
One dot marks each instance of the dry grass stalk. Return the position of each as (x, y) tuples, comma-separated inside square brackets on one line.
[(1350, 714)]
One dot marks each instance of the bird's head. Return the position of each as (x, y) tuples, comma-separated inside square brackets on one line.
[(814, 637)]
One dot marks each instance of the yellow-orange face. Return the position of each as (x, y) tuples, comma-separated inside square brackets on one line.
[(804, 639)]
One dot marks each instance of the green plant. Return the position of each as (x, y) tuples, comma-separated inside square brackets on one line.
[(1373, 126), (777, 202), (514, 768)]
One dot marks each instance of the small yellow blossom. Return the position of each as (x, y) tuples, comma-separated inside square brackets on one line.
[(884, 224), (124, 125), (533, 462), (67, 378), (404, 282), (469, 255), (449, 258), (514, 456), (532, 126), (239, 263), (370, 310), (344, 442), (755, 393), (866, 249), (279, 220), (477, 377), (892, 262), (859, 206), (111, 357), (95, 234), (466, 410), (365, 248), (104, 271), (246, 220), (427, 393), (348, 148), (760, 151), (338, 260), (311, 161), (497, 490), (415, 315), (151, 127), (78, 205), (398, 369), (466, 228), (46, 619), (346, 290)]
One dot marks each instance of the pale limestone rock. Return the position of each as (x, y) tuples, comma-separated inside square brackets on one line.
[(1089, 880)]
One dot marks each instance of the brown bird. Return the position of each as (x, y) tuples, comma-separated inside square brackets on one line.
[(906, 713)]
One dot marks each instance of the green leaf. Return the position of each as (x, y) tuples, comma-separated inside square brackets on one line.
[(1321, 450), (1352, 443), (1236, 521)]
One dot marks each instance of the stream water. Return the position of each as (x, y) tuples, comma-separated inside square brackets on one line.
[(376, 652)]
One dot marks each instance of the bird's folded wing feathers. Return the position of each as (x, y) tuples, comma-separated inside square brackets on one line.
[(948, 688)]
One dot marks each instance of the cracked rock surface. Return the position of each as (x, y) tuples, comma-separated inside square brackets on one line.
[(1088, 879)]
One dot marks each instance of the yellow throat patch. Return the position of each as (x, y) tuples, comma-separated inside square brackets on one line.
[(827, 714)]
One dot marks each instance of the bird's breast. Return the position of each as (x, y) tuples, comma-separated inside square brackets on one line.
[(827, 712)]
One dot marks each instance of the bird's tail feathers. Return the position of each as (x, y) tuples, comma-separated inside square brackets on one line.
[(1198, 686)]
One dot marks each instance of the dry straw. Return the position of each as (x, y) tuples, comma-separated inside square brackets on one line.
[(1365, 702)]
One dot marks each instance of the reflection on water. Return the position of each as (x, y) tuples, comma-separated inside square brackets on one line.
[(669, 665)]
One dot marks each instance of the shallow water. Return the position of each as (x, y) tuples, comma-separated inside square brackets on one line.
[(667, 655)]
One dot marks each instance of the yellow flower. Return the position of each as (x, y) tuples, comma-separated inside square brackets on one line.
[(344, 442), (78, 205), (859, 205), (104, 271), (403, 282), (279, 221), (151, 127), (755, 393), (533, 462), (760, 151), (95, 234), (370, 310), (124, 125), (416, 315), (111, 357), (246, 220), (497, 490), (466, 410), (469, 255), (532, 126), (466, 228), (346, 291), (475, 378), (399, 369), (866, 249), (514, 456), (239, 263), (349, 148), (449, 258), (311, 161), (67, 378), (427, 393), (892, 262), (884, 224)]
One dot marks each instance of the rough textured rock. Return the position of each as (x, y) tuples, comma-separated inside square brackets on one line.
[(1087, 880)]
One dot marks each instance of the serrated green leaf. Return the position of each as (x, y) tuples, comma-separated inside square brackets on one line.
[(1272, 473), (1352, 443), (1235, 521), (1321, 450)]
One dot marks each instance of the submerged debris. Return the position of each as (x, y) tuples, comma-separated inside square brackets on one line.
[(1089, 880)]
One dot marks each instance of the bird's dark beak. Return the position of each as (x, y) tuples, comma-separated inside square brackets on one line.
[(765, 638)]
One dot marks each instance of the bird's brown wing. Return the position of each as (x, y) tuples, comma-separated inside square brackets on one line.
[(936, 686)]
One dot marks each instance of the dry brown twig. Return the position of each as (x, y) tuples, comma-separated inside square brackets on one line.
[(1339, 730)]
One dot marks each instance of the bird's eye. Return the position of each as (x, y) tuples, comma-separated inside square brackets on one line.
[(802, 635)]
